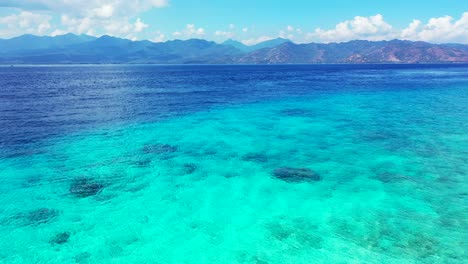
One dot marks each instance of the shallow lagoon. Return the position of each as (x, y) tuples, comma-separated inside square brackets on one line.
[(179, 184)]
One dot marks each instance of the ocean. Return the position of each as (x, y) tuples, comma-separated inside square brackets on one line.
[(234, 164)]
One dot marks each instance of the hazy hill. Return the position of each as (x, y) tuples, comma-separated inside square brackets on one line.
[(72, 48), (359, 51)]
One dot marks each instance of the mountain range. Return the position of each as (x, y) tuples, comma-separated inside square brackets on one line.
[(70, 48)]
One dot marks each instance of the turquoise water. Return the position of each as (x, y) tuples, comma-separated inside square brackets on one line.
[(200, 187)]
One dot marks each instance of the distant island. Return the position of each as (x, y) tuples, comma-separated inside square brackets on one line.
[(84, 49)]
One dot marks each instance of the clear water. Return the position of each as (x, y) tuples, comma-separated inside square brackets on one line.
[(179, 164)]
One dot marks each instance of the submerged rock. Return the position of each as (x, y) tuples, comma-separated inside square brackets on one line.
[(189, 168), (84, 187), (60, 238), (34, 217), (82, 257), (142, 163), (388, 177), (255, 157), (32, 181), (42, 215), (209, 152), (296, 174), (159, 148)]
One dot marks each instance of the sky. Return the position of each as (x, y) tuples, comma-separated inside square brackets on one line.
[(248, 21)]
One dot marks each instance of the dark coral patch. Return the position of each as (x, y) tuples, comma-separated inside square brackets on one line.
[(255, 157), (82, 257), (387, 177), (296, 174), (189, 168), (32, 181), (84, 187), (60, 238), (209, 152), (159, 148), (142, 163), (42, 215), (34, 217)]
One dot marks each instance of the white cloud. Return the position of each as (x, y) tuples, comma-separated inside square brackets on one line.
[(438, 30), (411, 30), (370, 28), (190, 31), (224, 34), (228, 33), (159, 37), (160, 3), (113, 27), (80, 8), (121, 18), (24, 23), (139, 26), (291, 33), (96, 17), (58, 32), (104, 11), (254, 41)]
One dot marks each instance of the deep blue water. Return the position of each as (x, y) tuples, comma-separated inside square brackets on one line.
[(179, 164), (42, 101)]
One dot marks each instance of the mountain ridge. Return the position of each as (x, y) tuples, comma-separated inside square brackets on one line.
[(70, 48)]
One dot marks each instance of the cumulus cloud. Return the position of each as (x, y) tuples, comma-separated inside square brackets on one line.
[(23, 4), (89, 7), (438, 30), (25, 23), (158, 36), (228, 33), (113, 27), (139, 26), (286, 35), (291, 33), (224, 34), (370, 28), (104, 11), (190, 31), (411, 30), (121, 18), (94, 17), (58, 32)]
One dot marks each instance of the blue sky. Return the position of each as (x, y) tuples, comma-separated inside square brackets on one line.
[(247, 21)]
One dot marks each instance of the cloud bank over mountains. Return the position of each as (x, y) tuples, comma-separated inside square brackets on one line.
[(123, 18), (91, 17), (442, 29)]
